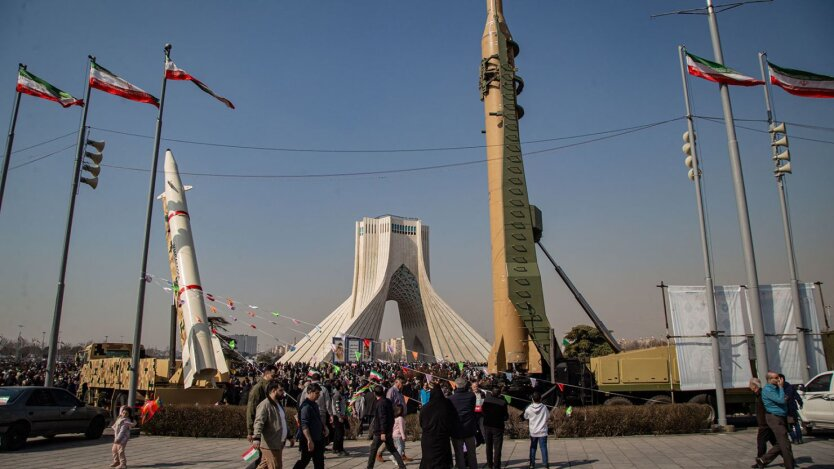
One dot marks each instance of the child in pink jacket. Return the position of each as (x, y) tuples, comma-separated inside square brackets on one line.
[(399, 431), (121, 433)]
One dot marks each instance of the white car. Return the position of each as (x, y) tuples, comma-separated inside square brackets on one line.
[(818, 396)]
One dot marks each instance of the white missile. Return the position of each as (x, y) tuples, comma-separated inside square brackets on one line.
[(199, 356)]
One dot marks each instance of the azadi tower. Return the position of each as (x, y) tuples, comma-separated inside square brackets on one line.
[(392, 263)]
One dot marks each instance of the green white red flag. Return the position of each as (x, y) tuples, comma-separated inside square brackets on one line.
[(376, 375), (718, 73), (172, 72), (30, 84), (107, 81), (801, 83)]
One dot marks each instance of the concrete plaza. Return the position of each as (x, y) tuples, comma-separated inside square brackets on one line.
[(731, 450)]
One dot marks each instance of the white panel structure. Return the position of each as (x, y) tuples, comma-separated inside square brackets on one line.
[(392, 263)]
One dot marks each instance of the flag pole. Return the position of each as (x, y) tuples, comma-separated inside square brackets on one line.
[(741, 206), (140, 302), (804, 372), (59, 296), (709, 290), (10, 140)]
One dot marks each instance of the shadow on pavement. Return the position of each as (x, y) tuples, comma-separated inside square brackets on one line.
[(37, 445), (571, 463), (178, 464)]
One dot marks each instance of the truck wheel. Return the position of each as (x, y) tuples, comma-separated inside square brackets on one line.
[(95, 429), (660, 399), (705, 399), (15, 437), (617, 400)]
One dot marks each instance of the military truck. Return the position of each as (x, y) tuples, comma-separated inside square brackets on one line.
[(105, 379)]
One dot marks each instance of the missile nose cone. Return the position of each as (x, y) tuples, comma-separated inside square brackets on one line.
[(170, 162)]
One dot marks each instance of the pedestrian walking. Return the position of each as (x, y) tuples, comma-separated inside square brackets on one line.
[(270, 428), (495, 415), (437, 421), (312, 432), (463, 436), (764, 434), (399, 433), (340, 420), (536, 414), (794, 404), (121, 434), (776, 406), (383, 429), (255, 396)]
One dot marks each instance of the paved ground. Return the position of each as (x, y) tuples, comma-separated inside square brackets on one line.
[(732, 450)]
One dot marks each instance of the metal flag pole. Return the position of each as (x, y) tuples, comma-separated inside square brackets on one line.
[(786, 223), (10, 141), (709, 291), (741, 206), (140, 302), (59, 296)]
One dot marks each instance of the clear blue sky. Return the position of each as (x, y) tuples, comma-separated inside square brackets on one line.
[(619, 214)]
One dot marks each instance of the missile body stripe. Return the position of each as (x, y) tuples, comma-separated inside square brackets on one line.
[(189, 287), (174, 213)]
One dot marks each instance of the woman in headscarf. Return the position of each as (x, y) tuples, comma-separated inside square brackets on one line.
[(437, 419)]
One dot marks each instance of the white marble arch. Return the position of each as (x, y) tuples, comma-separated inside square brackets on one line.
[(392, 263)]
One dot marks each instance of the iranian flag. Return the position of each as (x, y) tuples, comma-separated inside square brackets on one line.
[(251, 454), (172, 72), (376, 375), (800, 83), (718, 73), (30, 84), (105, 80)]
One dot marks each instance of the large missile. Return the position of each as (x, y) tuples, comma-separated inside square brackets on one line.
[(198, 352), (522, 331)]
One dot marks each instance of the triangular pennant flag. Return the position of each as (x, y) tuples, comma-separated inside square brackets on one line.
[(232, 344), (209, 297), (296, 322), (533, 382), (565, 341), (508, 398), (292, 348), (230, 303), (367, 343), (414, 354), (561, 387), (358, 355), (213, 309), (509, 376), (569, 411), (172, 72), (336, 368), (460, 366), (276, 314), (252, 326), (253, 306), (32, 85), (251, 314)]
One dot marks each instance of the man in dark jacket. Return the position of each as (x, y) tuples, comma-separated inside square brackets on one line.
[(313, 432), (464, 433), (494, 411), (383, 428), (764, 434)]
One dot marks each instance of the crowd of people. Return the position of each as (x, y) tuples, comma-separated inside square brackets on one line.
[(32, 372), (456, 414)]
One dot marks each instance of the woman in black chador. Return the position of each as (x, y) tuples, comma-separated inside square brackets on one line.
[(437, 419)]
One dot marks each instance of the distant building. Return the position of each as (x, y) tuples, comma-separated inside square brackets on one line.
[(279, 350), (394, 349), (245, 344)]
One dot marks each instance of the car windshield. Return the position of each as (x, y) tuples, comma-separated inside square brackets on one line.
[(8, 395)]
